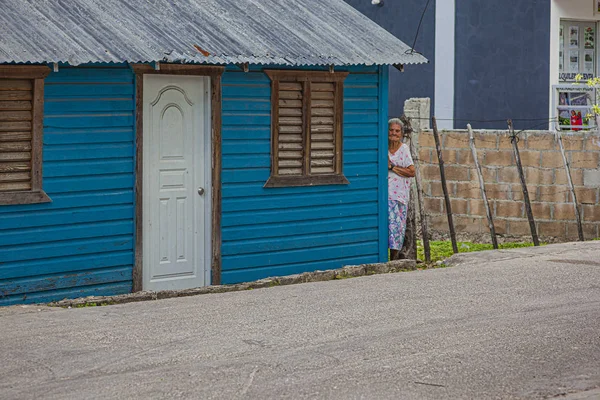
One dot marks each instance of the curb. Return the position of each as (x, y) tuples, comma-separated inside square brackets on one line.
[(350, 271)]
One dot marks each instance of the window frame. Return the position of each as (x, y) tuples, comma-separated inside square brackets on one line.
[(306, 78), (37, 74)]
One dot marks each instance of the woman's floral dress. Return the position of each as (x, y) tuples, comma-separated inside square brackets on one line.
[(398, 196)]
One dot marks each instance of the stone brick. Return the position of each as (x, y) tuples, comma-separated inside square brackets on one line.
[(467, 190), (585, 159), (572, 142), (438, 222), (500, 226), (591, 178), (485, 140), (564, 211), (553, 194), (498, 191), (467, 224), (508, 175), (501, 158), (424, 155), (429, 172), (553, 229), (591, 213), (530, 158), (490, 174), (504, 142), (552, 159), (560, 177), (585, 195), (435, 189), (541, 210), (543, 141), (517, 192), (590, 231), (456, 173), (592, 142), (476, 208), (433, 206), (449, 156), (519, 227), (456, 140), (539, 176), (465, 157), (509, 209), (459, 206), (426, 139)]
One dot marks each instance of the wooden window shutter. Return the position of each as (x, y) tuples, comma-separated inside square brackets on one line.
[(306, 111), (21, 123)]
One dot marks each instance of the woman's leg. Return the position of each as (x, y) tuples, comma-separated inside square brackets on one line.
[(395, 236)]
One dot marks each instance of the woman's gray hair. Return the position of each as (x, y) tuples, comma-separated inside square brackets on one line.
[(396, 121)]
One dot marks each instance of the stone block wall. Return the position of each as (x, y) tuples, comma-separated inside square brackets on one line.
[(544, 172)]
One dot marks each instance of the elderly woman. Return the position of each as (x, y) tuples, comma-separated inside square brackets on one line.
[(401, 169)]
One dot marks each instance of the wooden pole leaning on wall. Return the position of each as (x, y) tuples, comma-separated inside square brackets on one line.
[(419, 187), (438, 148), (571, 187), (482, 187), (514, 140)]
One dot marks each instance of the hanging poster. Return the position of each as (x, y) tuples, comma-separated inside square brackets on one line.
[(574, 37), (588, 62), (574, 60), (588, 37)]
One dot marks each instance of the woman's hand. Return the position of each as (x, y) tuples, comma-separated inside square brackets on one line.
[(408, 172)]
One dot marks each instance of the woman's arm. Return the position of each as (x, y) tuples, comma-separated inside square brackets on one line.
[(408, 172)]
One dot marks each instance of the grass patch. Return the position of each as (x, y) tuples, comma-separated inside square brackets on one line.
[(440, 250)]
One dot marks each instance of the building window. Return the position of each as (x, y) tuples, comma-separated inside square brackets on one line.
[(21, 124), (577, 55), (306, 128)]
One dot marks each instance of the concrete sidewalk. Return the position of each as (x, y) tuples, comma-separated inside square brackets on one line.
[(520, 323)]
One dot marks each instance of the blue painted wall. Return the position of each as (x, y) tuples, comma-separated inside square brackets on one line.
[(81, 243), (282, 231), (401, 18), (502, 62)]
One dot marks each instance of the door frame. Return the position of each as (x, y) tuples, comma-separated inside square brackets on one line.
[(215, 73)]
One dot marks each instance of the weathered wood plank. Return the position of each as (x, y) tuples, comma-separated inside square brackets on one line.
[(322, 170), (15, 177), (286, 129), (290, 121), (14, 136), (321, 121), (290, 155), (322, 87), (290, 146), (290, 85), (322, 146), (322, 95), (288, 112), (290, 103), (15, 126), (322, 137), (15, 146), (321, 129), (10, 156), (14, 166), (15, 96), (322, 103), (290, 138), (286, 94), (15, 84), (14, 186), (322, 112), (15, 105), (14, 115)]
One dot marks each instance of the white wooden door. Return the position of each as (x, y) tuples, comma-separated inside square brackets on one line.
[(176, 195)]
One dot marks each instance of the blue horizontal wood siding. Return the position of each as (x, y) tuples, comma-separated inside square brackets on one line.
[(81, 243), (283, 231)]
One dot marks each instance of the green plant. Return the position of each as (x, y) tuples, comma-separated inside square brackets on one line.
[(440, 250)]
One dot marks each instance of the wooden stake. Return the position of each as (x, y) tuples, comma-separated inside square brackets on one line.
[(436, 136), (571, 187), (514, 140), (419, 186), (482, 187)]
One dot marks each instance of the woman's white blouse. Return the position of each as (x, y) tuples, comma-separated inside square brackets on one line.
[(399, 186)]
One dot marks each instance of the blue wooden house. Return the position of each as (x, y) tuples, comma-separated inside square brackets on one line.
[(168, 144)]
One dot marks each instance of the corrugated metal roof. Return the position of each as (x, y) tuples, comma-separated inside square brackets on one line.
[(286, 32)]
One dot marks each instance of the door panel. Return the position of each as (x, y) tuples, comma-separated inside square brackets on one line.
[(175, 164)]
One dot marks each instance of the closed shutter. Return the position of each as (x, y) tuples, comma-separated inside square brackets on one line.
[(16, 116), (291, 126), (322, 138)]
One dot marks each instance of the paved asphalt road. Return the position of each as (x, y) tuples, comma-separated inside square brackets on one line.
[(500, 325)]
